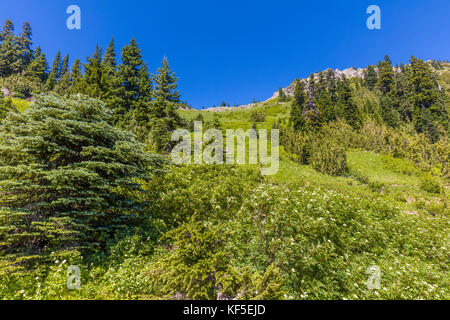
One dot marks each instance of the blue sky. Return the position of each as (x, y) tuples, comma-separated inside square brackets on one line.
[(240, 50)]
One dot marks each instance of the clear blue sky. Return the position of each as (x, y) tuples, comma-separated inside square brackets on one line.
[(239, 50)]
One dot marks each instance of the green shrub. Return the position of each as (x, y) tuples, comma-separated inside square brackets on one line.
[(329, 157), (402, 166), (430, 185)]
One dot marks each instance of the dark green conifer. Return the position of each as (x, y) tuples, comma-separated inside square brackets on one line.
[(71, 180)]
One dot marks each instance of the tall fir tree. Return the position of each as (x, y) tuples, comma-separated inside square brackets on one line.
[(346, 107), (166, 83), (281, 95), (385, 81), (25, 43), (63, 84), (132, 96), (94, 82), (298, 106), (54, 74), (370, 77), (425, 97), (76, 77), (10, 52), (37, 69), (109, 60)]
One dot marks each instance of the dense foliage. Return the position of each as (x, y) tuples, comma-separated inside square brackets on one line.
[(69, 180), (363, 181)]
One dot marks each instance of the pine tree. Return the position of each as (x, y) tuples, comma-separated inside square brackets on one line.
[(423, 94), (346, 107), (281, 95), (71, 180), (109, 60), (165, 83), (388, 112), (65, 65), (76, 76), (385, 76), (63, 83), (94, 82), (10, 52), (54, 72), (132, 96), (37, 69), (298, 106), (370, 77), (25, 44)]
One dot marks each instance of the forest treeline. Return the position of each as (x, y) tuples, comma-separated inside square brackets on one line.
[(141, 102)]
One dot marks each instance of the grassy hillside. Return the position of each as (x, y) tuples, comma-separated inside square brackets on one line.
[(225, 231)]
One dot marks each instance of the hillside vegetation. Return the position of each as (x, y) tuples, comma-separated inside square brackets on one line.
[(86, 180)]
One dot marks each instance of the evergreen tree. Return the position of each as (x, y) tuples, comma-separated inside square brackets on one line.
[(370, 77), (281, 95), (63, 84), (76, 76), (109, 60), (71, 180), (10, 52), (37, 69), (25, 43), (298, 106), (385, 76), (165, 83), (388, 112), (132, 97), (54, 72), (423, 94), (94, 82), (346, 107), (65, 65)]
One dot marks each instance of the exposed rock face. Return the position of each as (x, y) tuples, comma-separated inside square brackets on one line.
[(289, 90), (348, 73)]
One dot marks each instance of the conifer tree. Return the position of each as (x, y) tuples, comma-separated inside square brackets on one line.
[(346, 107), (423, 94), (165, 83), (94, 82), (133, 94), (54, 72), (109, 60), (370, 77), (63, 83), (388, 112), (76, 76), (71, 180), (281, 95), (37, 69), (10, 52), (385, 76), (25, 43), (65, 65), (298, 106)]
